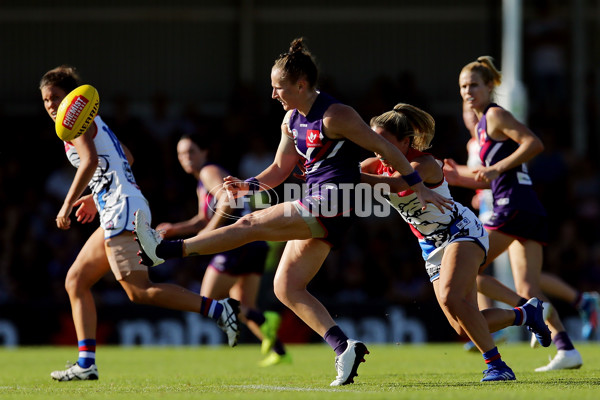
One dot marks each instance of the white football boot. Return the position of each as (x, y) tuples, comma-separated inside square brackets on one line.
[(228, 321), (347, 363), (564, 359), (76, 373), (148, 239)]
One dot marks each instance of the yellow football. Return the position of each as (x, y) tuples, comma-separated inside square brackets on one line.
[(76, 112)]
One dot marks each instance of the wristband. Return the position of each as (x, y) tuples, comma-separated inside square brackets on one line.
[(253, 184), (412, 179)]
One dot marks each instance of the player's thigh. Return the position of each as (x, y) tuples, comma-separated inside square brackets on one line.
[(121, 251), (91, 263), (460, 266), (526, 259), (279, 222), (499, 243), (300, 262)]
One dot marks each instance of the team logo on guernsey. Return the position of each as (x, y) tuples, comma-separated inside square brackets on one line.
[(313, 138)]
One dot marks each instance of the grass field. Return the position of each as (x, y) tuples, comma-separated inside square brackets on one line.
[(434, 371)]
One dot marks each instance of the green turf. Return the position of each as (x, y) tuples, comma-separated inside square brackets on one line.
[(435, 371)]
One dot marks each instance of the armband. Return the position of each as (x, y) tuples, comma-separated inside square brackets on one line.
[(412, 179), (253, 184)]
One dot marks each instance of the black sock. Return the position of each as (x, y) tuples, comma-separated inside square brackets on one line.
[(255, 315), (170, 249)]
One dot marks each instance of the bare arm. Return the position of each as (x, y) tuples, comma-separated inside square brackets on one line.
[(502, 125), (285, 161), (369, 166), (283, 165), (461, 175), (342, 121), (88, 162), (211, 177), (427, 167)]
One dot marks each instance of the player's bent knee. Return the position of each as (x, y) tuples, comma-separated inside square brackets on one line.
[(452, 302), (280, 293), (74, 283), (283, 292)]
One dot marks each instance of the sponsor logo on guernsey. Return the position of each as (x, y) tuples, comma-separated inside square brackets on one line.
[(313, 138), (73, 111)]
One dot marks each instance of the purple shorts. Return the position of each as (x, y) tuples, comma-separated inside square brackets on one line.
[(329, 213), (520, 224), (247, 259)]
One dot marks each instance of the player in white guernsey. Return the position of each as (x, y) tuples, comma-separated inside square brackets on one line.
[(454, 244), (103, 165)]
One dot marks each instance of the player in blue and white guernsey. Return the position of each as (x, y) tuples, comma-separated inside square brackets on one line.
[(454, 244), (235, 273), (519, 221), (323, 133), (103, 165)]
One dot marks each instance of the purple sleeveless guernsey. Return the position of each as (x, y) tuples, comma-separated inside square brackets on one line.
[(512, 190), (326, 160)]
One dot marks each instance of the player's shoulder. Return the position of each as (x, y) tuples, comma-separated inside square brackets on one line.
[(339, 110), (498, 114), (211, 169)]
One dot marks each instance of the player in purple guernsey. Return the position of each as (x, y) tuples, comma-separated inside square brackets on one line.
[(328, 164), (324, 134), (519, 222), (512, 190), (235, 273), (327, 160)]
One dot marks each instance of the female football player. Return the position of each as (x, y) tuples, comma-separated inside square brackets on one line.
[(454, 244), (235, 273), (326, 136), (103, 165), (519, 221)]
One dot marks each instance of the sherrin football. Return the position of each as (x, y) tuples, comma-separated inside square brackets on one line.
[(76, 112)]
